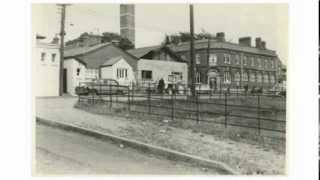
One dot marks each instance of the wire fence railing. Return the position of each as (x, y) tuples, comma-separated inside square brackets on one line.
[(258, 111)]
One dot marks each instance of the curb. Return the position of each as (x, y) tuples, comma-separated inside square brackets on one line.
[(146, 148)]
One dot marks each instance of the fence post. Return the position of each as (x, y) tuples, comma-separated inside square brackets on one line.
[(258, 113), (128, 98), (198, 113), (149, 94), (92, 100), (110, 94), (117, 91), (172, 107), (132, 94), (225, 109), (220, 91)]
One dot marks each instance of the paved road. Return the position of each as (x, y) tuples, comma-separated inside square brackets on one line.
[(62, 152)]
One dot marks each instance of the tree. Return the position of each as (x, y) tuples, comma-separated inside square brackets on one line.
[(186, 37), (124, 43)]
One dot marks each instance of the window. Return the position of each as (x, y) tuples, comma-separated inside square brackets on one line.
[(245, 76), (272, 63), (252, 61), (272, 79), (237, 59), (237, 77), (198, 77), (197, 58), (227, 77), (146, 75), (212, 59), (122, 73), (259, 78), (78, 71), (266, 63), (244, 60), (177, 76), (252, 77), (258, 62), (43, 56), (53, 57), (266, 78), (227, 59)]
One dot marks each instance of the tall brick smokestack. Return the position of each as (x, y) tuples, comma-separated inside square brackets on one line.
[(127, 22)]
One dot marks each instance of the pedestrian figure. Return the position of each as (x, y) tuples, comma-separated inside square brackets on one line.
[(161, 85)]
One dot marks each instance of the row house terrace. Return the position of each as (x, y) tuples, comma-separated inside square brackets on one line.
[(221, 64)]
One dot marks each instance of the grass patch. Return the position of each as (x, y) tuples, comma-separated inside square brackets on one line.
[(215, 124)]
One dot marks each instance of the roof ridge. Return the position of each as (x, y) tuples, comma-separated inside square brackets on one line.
[(86, 49)]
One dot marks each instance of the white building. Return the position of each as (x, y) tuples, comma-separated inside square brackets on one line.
[(106, 61), (45, 68), (170, 71), (159, 62)]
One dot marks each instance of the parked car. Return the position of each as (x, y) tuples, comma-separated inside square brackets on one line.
[(101, 87)]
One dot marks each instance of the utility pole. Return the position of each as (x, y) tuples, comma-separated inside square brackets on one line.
[(192, 54), (62, 34)]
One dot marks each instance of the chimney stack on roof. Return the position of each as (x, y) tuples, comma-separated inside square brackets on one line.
[(263, 45), (246, 41), (258, 42), (220, 36)]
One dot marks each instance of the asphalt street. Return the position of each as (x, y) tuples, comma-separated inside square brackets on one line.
[(61, 152)]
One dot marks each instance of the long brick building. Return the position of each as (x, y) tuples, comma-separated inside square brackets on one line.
[(222, 64)]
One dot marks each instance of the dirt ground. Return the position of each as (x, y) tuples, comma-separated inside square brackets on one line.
[(245, 153)]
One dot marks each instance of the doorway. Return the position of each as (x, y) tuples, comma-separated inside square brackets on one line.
[(64, 80), (213, 80)]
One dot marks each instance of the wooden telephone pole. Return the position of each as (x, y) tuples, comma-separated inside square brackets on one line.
[(192, 53), (62, 34)]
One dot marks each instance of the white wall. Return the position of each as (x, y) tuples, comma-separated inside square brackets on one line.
[(45, 73), (107, 73), (73, 79), (110, 72), (162, 69)]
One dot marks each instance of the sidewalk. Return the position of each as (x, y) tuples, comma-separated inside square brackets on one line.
[(244, 158)]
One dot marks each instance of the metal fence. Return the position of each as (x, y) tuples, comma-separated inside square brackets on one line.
[(258, 111)]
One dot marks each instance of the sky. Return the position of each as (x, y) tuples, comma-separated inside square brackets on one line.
[(154, 21)]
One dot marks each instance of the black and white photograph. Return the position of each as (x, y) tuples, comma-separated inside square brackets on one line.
[(159, 89)]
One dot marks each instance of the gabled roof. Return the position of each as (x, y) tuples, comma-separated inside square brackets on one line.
[(112, 61), (77, 51), (139, 52), (203, 44), (98, 55)]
